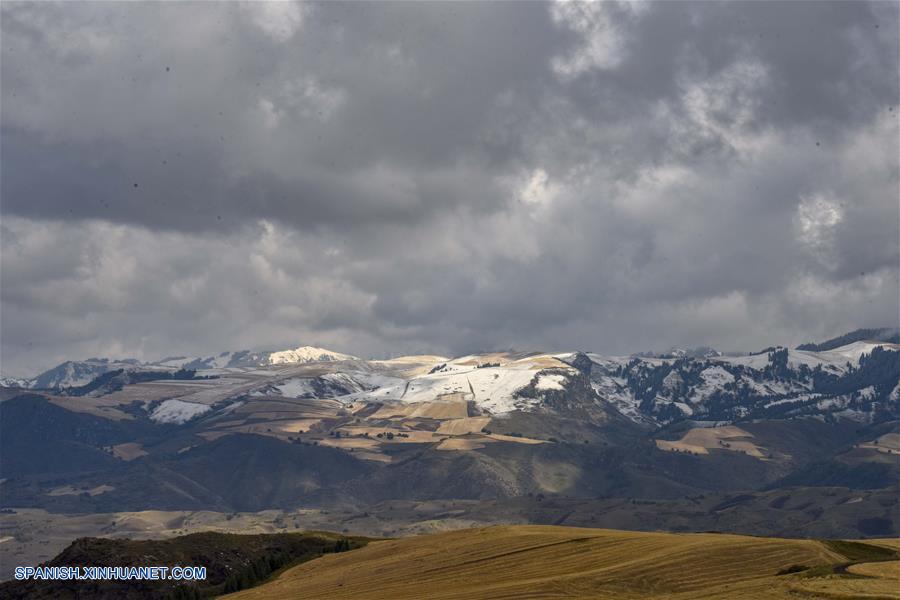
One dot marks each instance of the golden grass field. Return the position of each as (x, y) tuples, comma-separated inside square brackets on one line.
[(128, 451), (510, 562), (700, 440), (888, 443)]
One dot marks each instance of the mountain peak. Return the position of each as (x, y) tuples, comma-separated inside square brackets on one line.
[(304, 354)]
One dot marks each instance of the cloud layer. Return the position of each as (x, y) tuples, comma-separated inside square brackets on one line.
[(383, 178)]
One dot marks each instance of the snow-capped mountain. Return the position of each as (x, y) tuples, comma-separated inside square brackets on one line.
[(305, 354), (854, 381), (859, 380), (13, 382), (78, 373), (483, 426), (246, 358)]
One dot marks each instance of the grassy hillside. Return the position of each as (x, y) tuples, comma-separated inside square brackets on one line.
[(563, 562)]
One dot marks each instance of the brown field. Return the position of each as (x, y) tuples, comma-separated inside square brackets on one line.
[(418, 437), (128, 451), (68, 490), (411, 366), (512, 438), (888, 569), (91, 406), (874, 581), (562, 562), (199, 391), (463, 426), (410, 436), (265, 428), (210, 436), (888, 443), (298, 425), (347, 443), (275, 405), (452, 406), (544, 362), (353, 430), (202, 392), (276, 416), (700, 440), (892, 543), (462, 443)]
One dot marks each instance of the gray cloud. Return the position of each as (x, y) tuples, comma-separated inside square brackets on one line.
[(383, 178)]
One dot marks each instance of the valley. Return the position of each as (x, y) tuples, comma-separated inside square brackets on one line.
[(32, 536)]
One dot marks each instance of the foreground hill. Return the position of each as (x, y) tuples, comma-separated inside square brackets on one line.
[(233, 562), (562, 562)]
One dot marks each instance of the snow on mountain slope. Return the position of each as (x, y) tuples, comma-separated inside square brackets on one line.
[(852, 352), (491, 381), (12, 382), (833, 360), (295, 388), (779, 383), (615, 391), (241, 358), (714, 378), (176, 362), (177, 412), (343, 385), (221, 361), (848, 381), (246, 358), (77, 373), (551, 382), (305, 354)]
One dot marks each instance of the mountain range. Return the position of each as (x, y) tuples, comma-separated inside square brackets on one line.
[(853, 376), (784, 441)]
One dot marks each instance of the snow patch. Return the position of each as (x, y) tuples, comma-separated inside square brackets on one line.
[(177, 411), (684, 408), (551, 382), (295, 388), (867, 393)]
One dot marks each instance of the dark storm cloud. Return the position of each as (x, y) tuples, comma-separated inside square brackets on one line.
[(323, 126), (380, 177)]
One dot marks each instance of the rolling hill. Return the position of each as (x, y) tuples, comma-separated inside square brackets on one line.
[(563, 562)]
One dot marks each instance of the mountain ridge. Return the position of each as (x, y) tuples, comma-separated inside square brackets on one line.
[(477, 428)]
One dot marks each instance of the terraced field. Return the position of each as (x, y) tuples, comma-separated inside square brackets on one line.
[(561, 562)]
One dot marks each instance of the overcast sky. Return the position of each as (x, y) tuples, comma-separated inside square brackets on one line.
[(393, 178)]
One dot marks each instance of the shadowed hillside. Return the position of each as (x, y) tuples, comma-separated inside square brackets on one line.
[(233, 562)]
